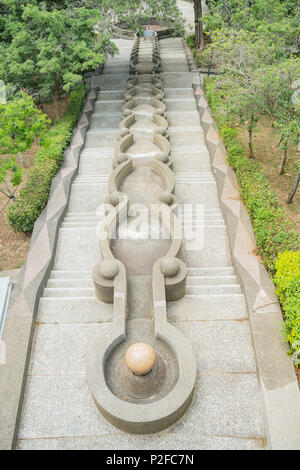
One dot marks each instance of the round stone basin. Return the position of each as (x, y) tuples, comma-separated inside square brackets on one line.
[(143, 109), (141, 389), (143, 148), (144, 67), (143, 128), (142, 241), (143, 94)]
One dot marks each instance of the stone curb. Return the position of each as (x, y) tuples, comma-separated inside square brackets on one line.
[(276, 373), (24, 301)]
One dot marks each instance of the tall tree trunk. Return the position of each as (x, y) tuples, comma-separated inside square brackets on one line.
[(55, 103), (20, 157), (250, 136), (10, 194), (199, 33), (295, 187), (283, 160)]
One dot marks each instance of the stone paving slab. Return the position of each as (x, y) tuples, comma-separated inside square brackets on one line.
[(209, 307), (60, 349), (220, 346), (75, 251), (164, 441), (224, 405)]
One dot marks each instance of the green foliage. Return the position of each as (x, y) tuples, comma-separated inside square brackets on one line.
[(11, 173), (14, 169), (277, 21), (20, 123), (47, 51), (33, 197), (191, 40), (274, 233), (287, 281)]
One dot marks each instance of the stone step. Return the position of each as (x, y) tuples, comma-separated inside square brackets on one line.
[(211, 271), (187, 149), (115, 96), (183, 105), (102, 152), (184, 137), (105, 120), (111, 81), (208, 307), (103, 106), (188, 216), (64, 292), (72, 310), (98, 138), (87, 197), (117, 69), (173, 68), (193, 280), (88, 218), (55, 288), (196, 290), (72, 214), (176, 92), (71, 275), (70, 283), (83, 225)]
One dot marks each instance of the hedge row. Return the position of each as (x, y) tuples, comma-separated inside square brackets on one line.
[(274, 233), (287, 280), (276, 239), (34, 196)]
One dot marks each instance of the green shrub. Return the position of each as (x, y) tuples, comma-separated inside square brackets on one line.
[(287, 280), (191, 41), (34, 196), (274, 233)]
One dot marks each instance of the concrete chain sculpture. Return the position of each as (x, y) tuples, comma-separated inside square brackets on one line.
[(142, 373)]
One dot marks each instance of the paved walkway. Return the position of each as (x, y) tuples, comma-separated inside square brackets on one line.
[(58, 411), (187, 10)]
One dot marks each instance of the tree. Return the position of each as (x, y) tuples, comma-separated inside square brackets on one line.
[(48, 51), (276, 19), (290, 134), (199, 33), (240, 56), (9, 168), (295, 187), (20, 123)]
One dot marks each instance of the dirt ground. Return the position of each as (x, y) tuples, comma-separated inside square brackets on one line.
[(14, 246), (268, 154)]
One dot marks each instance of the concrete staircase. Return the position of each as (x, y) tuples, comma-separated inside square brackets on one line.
[(226, 413)]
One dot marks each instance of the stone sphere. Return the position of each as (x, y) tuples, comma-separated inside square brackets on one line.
[(166, 198), (127, 112), (140, 358), (108, 269), (114, 199), (170, 267), (162, 156)]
